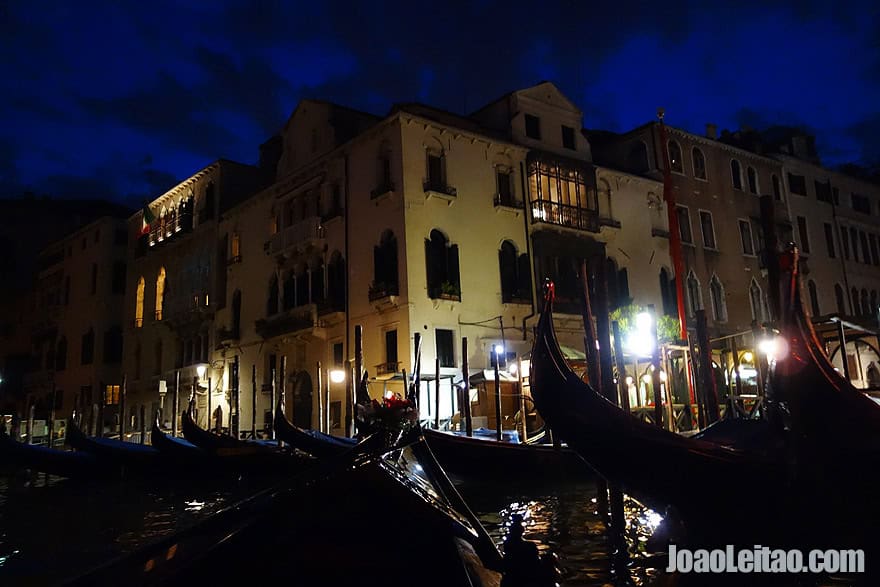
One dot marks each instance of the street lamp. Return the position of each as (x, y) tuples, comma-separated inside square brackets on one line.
[(201, 370), (337, 375), (640, 342)]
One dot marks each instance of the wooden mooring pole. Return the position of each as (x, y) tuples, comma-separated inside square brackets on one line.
[(143, 430), (235, 410), (122, 394), (706, 377), (437, 393), (466, 386), (175, 405), (254, 400)]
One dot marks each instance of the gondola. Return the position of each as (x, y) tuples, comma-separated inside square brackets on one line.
[(312, 442), (648, 461), (217, 443), (312, 530), (227, 461), (111, 452), (489, 459), (17, 455)]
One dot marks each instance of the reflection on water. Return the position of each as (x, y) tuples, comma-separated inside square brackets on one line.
[(563, 520), (53, 528)]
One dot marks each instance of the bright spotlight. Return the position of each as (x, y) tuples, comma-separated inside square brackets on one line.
[(748, 357), (643, 321), (663, 376), (499, 349), (512, 368), (337, 375), (201, 370), (775, 348), (646, 379)]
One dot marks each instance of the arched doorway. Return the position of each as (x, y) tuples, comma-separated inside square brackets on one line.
[(302, 400)]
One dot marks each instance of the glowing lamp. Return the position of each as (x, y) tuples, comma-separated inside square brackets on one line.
[(337, 375), (201, 370), (499, 349), (512, 368)]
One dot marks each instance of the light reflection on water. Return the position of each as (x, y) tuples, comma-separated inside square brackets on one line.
[(52, 528), (562, 519)]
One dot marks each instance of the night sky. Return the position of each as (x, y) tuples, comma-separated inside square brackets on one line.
[(122, 99)]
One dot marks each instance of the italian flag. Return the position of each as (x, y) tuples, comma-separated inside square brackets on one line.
[(148, 219)]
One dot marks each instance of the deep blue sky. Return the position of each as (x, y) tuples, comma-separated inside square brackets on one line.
[(121, 99)]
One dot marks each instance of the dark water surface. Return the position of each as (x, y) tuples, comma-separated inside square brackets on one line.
[(52, 528)]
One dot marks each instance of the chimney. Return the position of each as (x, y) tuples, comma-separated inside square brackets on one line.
[(711, 131)]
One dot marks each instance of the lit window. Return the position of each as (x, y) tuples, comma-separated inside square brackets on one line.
[(139, 304), (160, 293), (111, 395)]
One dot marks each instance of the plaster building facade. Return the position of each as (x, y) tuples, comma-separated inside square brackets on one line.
[(76, 333)]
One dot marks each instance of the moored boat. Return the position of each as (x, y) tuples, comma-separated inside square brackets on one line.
[(16, 455)]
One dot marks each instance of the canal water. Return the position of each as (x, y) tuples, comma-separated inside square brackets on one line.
[(52, 529)]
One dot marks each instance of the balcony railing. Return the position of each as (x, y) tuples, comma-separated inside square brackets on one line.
[(387, 368), (300, 233), (163, 231), (230, 334), (383, 290), (439, 187), (507, 201), (565, 215), (289, 322), (386, 187)]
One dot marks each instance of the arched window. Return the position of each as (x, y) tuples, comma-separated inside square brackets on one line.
[(736, 174), (441, 261), (139, 304), (385, 275), (288, 297), (814, 298), (777, 189), (675, 162), (840, 298), (317, 281), (668, 293), (719, 304), (272, 297), (516, 283), (699, 163), (756, 300), (302, 285), (854, 302), (753, 180), (695, 295), (160, 293), (61, 354), (336, 281)]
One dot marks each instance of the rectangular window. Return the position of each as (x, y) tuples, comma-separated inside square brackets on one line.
[(568, 138), (445, 347), (829, 240), (435, 170), (684, 225), (861, 203), (745, 237), (111, 395), (235, 248), (505, 194), (823, 191), (875, 257), (391, 350), (94, 278), (797, 184), (844, 241), (707, 227), (866, 254), (854, 240), (802, 233), (338, 356), (533, 127), (118, 281)]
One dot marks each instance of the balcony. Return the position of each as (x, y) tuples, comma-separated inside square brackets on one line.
[(383, 290), (387, 368), (289, 322), (300, 236), (161, 232), (545, 211), (227, 335), (386, 188), (439, 189)]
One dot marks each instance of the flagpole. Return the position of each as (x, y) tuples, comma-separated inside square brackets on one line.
[(674, 231)]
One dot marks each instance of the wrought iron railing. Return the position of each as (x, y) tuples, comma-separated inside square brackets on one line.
[(387, 368), (507, 201), (383, 290), (565, 215), (295, 234)]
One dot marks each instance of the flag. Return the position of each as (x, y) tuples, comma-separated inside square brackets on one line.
[(148, 219)]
